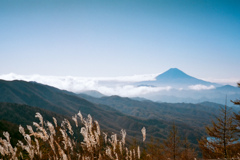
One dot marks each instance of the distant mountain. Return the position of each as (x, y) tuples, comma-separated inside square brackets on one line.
[(188, 89), (175, 78), (228, 88), (216, 95), (93, 93), (173, 73), (195, 115), (67, 104)]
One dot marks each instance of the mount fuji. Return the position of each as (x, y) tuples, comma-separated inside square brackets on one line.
[(175, 78), (185, 88)]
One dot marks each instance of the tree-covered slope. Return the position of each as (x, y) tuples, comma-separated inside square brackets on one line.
[(67, 104)]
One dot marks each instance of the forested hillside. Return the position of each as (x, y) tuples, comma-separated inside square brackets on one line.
[(185, 122)]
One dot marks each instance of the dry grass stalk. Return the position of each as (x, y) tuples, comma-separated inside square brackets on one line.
[(144, 133), (48, 141)]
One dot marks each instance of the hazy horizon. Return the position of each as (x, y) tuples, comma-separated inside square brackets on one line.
[(125, 78), (121, 85), (120, 38)]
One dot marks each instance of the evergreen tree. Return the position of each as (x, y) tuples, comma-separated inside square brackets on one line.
[(237, 115), (237, 121), (188, 152), (237, 101), (154, 149), (221, 136), (172, 145)]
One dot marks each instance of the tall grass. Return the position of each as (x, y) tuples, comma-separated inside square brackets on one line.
[(46, 140)]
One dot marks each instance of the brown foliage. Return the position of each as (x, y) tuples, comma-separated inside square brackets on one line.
[(221, 138)]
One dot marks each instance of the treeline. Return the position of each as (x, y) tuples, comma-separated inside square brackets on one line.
[(223, 137), (46, 140), (172, 148), (222, 141)]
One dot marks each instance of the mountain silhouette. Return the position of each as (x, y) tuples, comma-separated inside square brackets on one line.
[(173, 73), (175, 78)]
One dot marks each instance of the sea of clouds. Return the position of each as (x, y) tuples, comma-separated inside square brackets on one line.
[(122, 86)]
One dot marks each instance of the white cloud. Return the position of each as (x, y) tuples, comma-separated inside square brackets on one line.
[(200, 87), (134, 78), (122, 86), (107, 85), (130, 90)]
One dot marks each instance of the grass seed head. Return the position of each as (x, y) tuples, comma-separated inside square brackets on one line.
[(39, 116), (144, 133)]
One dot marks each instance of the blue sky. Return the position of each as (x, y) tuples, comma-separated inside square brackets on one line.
[(108, 38)]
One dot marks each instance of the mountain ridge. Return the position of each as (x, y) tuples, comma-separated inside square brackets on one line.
[(60, 102)]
